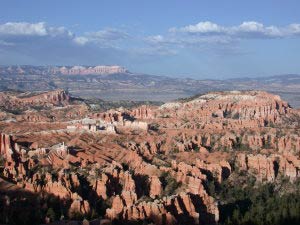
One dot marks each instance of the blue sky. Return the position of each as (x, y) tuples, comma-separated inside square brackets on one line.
[(187, 38)]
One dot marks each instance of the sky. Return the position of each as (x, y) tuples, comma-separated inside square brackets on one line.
[(216, 39)]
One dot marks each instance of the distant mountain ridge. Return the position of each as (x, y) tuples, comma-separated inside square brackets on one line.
[(114, 83), (62, 70)]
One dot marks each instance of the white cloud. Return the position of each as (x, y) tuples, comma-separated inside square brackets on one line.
[(252, 29), (176, 40), (108, 34), (250, 26), (213, 36), (155, 39), (21, 32), (32, 29), (103, 37), (23, 28), (81, 40), (248, 29), (25, 42), (24, 33), (59, 31), (294, 29), (161, 40), (202, 27)]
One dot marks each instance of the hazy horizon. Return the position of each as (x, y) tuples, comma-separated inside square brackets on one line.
[(182, 76)]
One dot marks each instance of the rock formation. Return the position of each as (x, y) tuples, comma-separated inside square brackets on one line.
[(160, 162)]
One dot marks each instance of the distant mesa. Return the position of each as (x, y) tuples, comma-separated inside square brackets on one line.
[(81, 70), (62, 70)]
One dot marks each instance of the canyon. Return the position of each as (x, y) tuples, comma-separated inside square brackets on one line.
[(146, 164)]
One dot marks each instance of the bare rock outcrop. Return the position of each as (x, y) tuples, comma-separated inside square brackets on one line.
[(267, 168), (169, 210), (78, 206), (155, 187)]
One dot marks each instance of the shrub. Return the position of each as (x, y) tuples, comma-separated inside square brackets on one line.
[(2, 160), (154, 126), (169, 183), (236, 116), (51, 214), (196, 149)]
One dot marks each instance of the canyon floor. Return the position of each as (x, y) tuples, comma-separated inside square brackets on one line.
[(227, 157)]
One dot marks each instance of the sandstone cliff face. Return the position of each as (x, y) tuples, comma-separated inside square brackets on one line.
[(79, 206), (143, 112), (155, 187), (99, 185), (51, 98), (57, 97), (41, 107), (268, 168), (170, 210), (9, 148), (5, 144)]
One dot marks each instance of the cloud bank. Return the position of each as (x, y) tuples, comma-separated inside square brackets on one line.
[(248, 29), (31, 29), (40, 43)]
